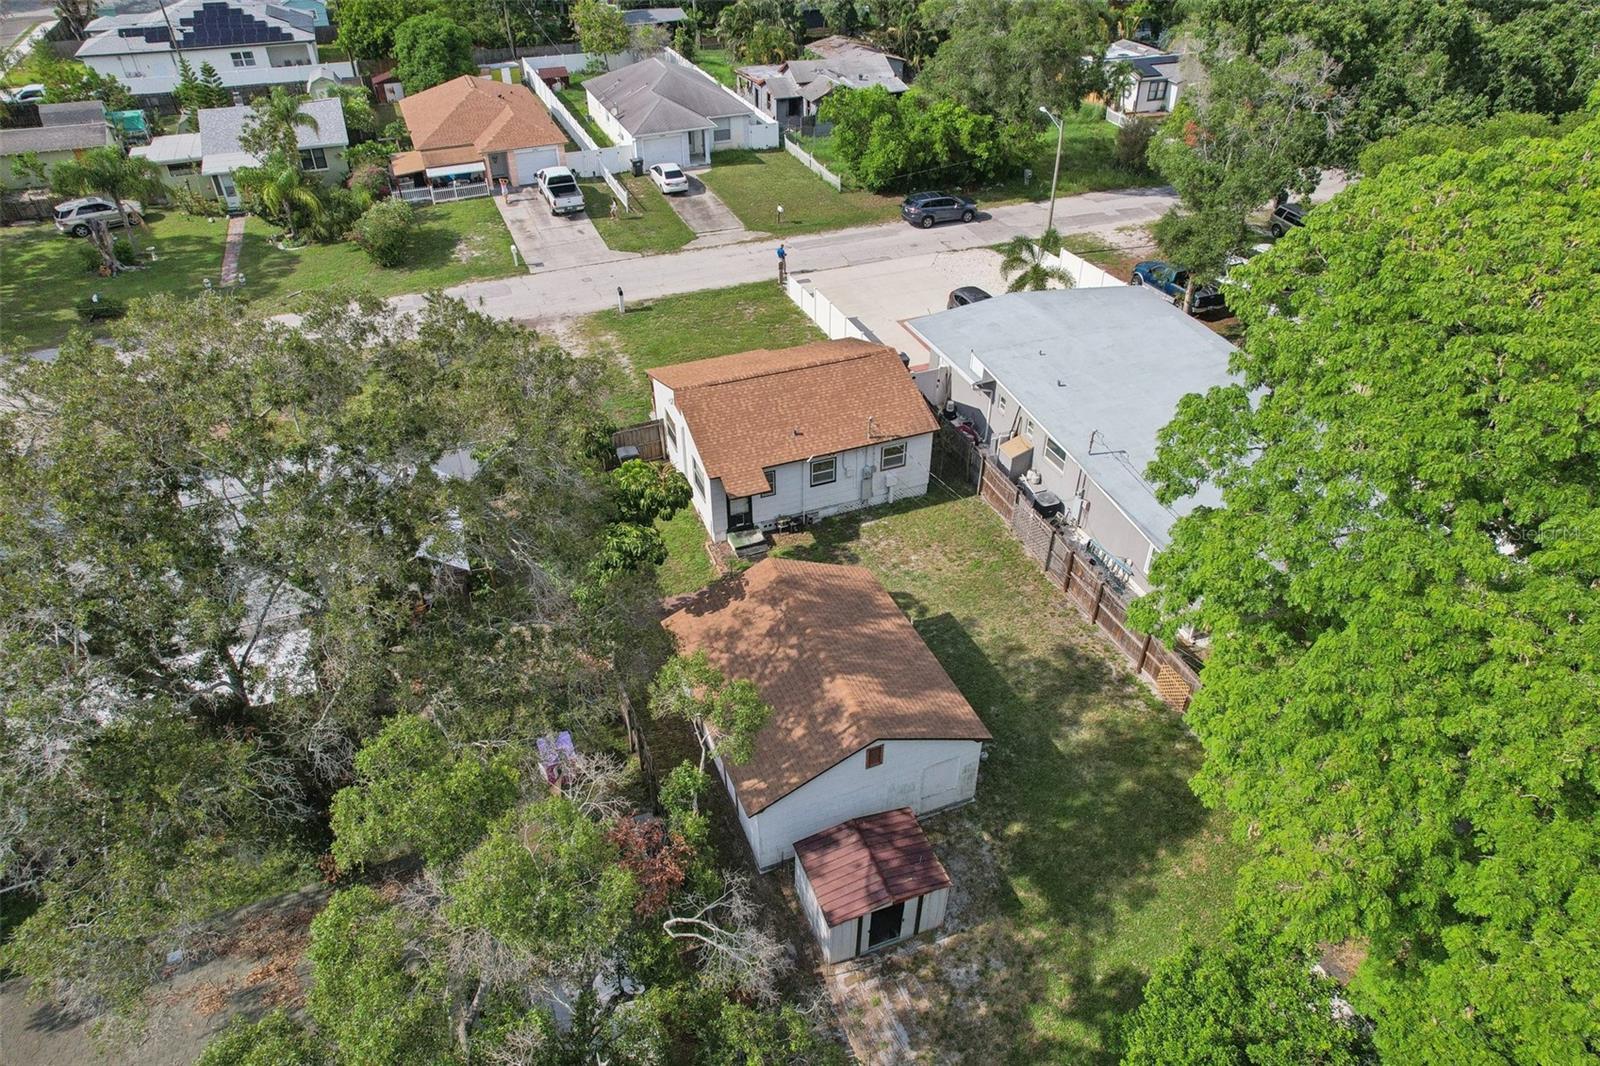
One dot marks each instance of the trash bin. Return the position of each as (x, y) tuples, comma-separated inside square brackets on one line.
[(638, 168)]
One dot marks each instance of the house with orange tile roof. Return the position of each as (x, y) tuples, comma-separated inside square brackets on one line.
[(770, 437), (473, 129), (864, 718)]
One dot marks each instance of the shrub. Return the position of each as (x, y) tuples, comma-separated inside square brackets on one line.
[(341, 210), (122, 248), (370, 179), (1133, 141), (384, 231), (103, 310), (90, 255), (196, 204), (1092, 112)]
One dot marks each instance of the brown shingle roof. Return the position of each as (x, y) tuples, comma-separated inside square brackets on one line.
[(869, 863), (488, 115), (762, 408), (838, 662)]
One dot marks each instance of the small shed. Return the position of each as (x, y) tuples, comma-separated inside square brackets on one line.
[(870, 882)]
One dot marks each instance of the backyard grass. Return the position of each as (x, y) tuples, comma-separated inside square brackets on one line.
[(651, 227), (717, 63), (754, 184), (688, 566), (1117, 256), (43, 274), (1086, 859), (693, 325), (577, 102)]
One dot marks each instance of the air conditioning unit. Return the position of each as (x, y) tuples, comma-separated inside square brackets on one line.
[(1033, 477)]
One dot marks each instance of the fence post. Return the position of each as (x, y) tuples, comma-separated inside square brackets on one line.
[(1049, 552), (1099, 594), (1144, 651), (1072, 564)]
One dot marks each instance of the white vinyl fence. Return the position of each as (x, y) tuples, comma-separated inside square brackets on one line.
[(1084, 274), (834, 322), (427, 194), (811, 164)]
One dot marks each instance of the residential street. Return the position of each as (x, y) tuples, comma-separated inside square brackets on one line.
[(555, 294)]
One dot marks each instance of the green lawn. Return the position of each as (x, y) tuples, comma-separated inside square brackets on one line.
[(652, 226), (688, 566), (577, 102), (1086, 858), (694, 325), (754, 184), (42, 275), (716, 62)]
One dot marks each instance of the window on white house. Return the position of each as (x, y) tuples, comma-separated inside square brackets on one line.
[(724, 130), (182, 168), (824, 471), (672, 432), (313, 159), (874, 756), (243, 59), (772, 481), (1055, 453), (1156, 90), (699, 479), (894, 455)]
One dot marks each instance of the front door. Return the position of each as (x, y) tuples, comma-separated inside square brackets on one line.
[(697, 146), (885, 925), (739, 516), (227, 192)]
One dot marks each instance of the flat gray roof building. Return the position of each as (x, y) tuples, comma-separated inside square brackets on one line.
[(1099, 371)]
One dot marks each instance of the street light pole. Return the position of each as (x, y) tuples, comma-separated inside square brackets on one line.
[(1061, 133)]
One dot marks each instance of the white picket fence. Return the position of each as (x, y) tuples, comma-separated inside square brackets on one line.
[(810, 162), (1084, 274), (427, 194), (832, 321)]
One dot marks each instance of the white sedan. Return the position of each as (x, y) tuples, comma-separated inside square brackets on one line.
[(669, 178)]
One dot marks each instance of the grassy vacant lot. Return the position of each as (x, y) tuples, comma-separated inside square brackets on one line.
[(693, 325), (652, 226), (42, 275), (753, 184), (577, 102), (1086, 859), (1116, 256), (688, 566)]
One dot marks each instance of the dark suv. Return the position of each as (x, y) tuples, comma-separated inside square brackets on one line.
[(925, 208)]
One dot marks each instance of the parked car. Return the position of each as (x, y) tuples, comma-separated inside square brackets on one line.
[(669, 178), (24, 94), (560, 188), (966, 294), (1286, 217), (74, 216), (925, 208), (1173, 282)]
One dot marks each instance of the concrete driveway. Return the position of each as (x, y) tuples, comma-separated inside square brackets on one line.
[(550, 242), (883, 296), (702, 211)]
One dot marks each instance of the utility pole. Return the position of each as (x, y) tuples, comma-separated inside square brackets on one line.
[(1061, 133)]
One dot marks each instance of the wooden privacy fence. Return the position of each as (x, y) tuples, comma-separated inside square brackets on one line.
[(646, 437), (1087, 587)]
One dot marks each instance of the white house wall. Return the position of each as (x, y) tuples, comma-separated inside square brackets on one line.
[(925, 775), (156, 73)]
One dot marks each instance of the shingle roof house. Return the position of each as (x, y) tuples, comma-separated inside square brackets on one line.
[(792, 90), (478, 125), (814, 430), (67, 130), (864, 719), (671, 113)]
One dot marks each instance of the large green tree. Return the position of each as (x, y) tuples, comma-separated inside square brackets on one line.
[(1402, 588), (430, 49), (600, 27), (366, 27), (762, 31)]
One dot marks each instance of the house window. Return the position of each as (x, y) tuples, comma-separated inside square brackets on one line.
[(672, 432), (894, 455), (182, 168), (874, 756), (724, 130), (824, 471), (313, 159), (1002, 403), (1055, 453), (1156, 90), (699, 478), (772, 481), (243, 59)]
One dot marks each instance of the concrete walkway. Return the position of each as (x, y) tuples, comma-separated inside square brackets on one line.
[(714, 224), (548, 242), (233, 245), (552, 293)]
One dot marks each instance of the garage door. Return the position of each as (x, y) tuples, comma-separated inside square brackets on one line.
[(527, 162)]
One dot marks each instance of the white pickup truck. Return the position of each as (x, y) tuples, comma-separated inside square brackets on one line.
[(560, 189)]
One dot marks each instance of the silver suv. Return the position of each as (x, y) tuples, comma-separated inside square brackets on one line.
[(74, 216), (925, 208)]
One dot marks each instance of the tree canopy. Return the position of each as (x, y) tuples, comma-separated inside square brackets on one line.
[(913, 139), (600, 27), (1402, 588), (430, 49)]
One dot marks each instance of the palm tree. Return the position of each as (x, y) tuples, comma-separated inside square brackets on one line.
[(283, 189), (1025, 257), (272, 127), (107, 172)]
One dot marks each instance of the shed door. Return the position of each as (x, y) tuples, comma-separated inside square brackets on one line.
[(529, 161), (941, 784)]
